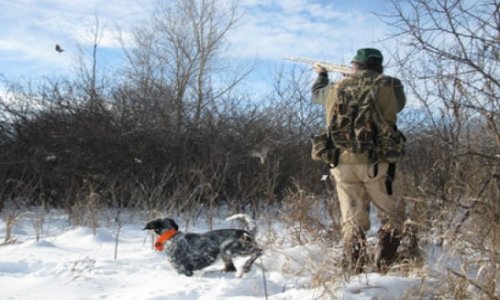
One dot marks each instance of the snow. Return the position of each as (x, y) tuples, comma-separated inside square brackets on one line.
[(76, 262)]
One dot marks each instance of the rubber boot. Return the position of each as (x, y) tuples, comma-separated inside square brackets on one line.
[(355, 254), (385, 251)]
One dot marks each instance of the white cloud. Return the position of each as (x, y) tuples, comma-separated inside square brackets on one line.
[(73, 20), (29, 29), (272, 29)]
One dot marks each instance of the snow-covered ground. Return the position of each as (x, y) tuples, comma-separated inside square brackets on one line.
[(69, 262)]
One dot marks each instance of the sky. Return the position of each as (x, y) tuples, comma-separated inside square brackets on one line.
[(269, 30)]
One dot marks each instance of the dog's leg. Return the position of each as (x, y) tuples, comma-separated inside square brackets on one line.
[(184, 270), (182, 266), (257, 252), (226, 255), (240, 247), (228, 263)]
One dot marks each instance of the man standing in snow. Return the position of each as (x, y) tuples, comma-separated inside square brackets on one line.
[(361, 111)]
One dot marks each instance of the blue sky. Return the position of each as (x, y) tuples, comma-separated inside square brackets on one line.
[(325, 30)]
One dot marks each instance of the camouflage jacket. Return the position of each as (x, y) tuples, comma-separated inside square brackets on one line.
[(389, 106)]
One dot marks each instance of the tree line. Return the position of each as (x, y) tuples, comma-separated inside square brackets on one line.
[(170, 132)]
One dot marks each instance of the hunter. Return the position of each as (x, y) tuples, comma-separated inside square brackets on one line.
[(364, 144)]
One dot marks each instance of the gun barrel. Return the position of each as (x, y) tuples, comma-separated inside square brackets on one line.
[(328, 66)]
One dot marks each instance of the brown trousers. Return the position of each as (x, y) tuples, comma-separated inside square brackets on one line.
[(356, 188)]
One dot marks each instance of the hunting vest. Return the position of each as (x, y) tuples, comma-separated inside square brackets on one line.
[(361, 117)]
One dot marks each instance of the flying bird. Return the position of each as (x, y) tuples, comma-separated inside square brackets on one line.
[(260, 153), (58, 48)]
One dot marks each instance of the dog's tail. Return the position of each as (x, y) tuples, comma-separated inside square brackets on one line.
[(247, 221)]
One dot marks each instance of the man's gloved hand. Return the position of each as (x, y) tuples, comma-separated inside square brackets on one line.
[(318, 68)]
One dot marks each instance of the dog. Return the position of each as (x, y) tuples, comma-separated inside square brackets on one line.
[(188, 252)]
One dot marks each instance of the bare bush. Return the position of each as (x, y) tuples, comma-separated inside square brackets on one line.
[(168, 135), (451, 66)]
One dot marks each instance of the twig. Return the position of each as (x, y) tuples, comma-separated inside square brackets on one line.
[(264, 280), (474, 283)]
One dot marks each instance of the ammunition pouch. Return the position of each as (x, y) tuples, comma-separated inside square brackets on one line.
[(392, 146), (324, 150)]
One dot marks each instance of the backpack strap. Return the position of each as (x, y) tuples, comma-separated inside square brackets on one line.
[(391, 174), (336, 157)]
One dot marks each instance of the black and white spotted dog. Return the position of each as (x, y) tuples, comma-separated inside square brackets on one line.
[(188, 252)]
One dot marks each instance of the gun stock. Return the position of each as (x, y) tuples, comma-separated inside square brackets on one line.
[(329, 67)]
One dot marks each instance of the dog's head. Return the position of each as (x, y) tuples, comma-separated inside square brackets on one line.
[(161, 225)]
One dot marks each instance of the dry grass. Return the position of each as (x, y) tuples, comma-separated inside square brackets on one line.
[(455, 257), (10, 221)]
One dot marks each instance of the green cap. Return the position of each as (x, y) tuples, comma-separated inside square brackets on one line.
[(368, 55)]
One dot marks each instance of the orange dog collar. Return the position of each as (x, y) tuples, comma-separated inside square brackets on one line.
[(160, 241)]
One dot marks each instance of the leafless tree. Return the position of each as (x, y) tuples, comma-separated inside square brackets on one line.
[(180, 51), (449, 58), (88, 64)]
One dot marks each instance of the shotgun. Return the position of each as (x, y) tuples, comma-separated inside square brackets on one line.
[(328, 66)]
